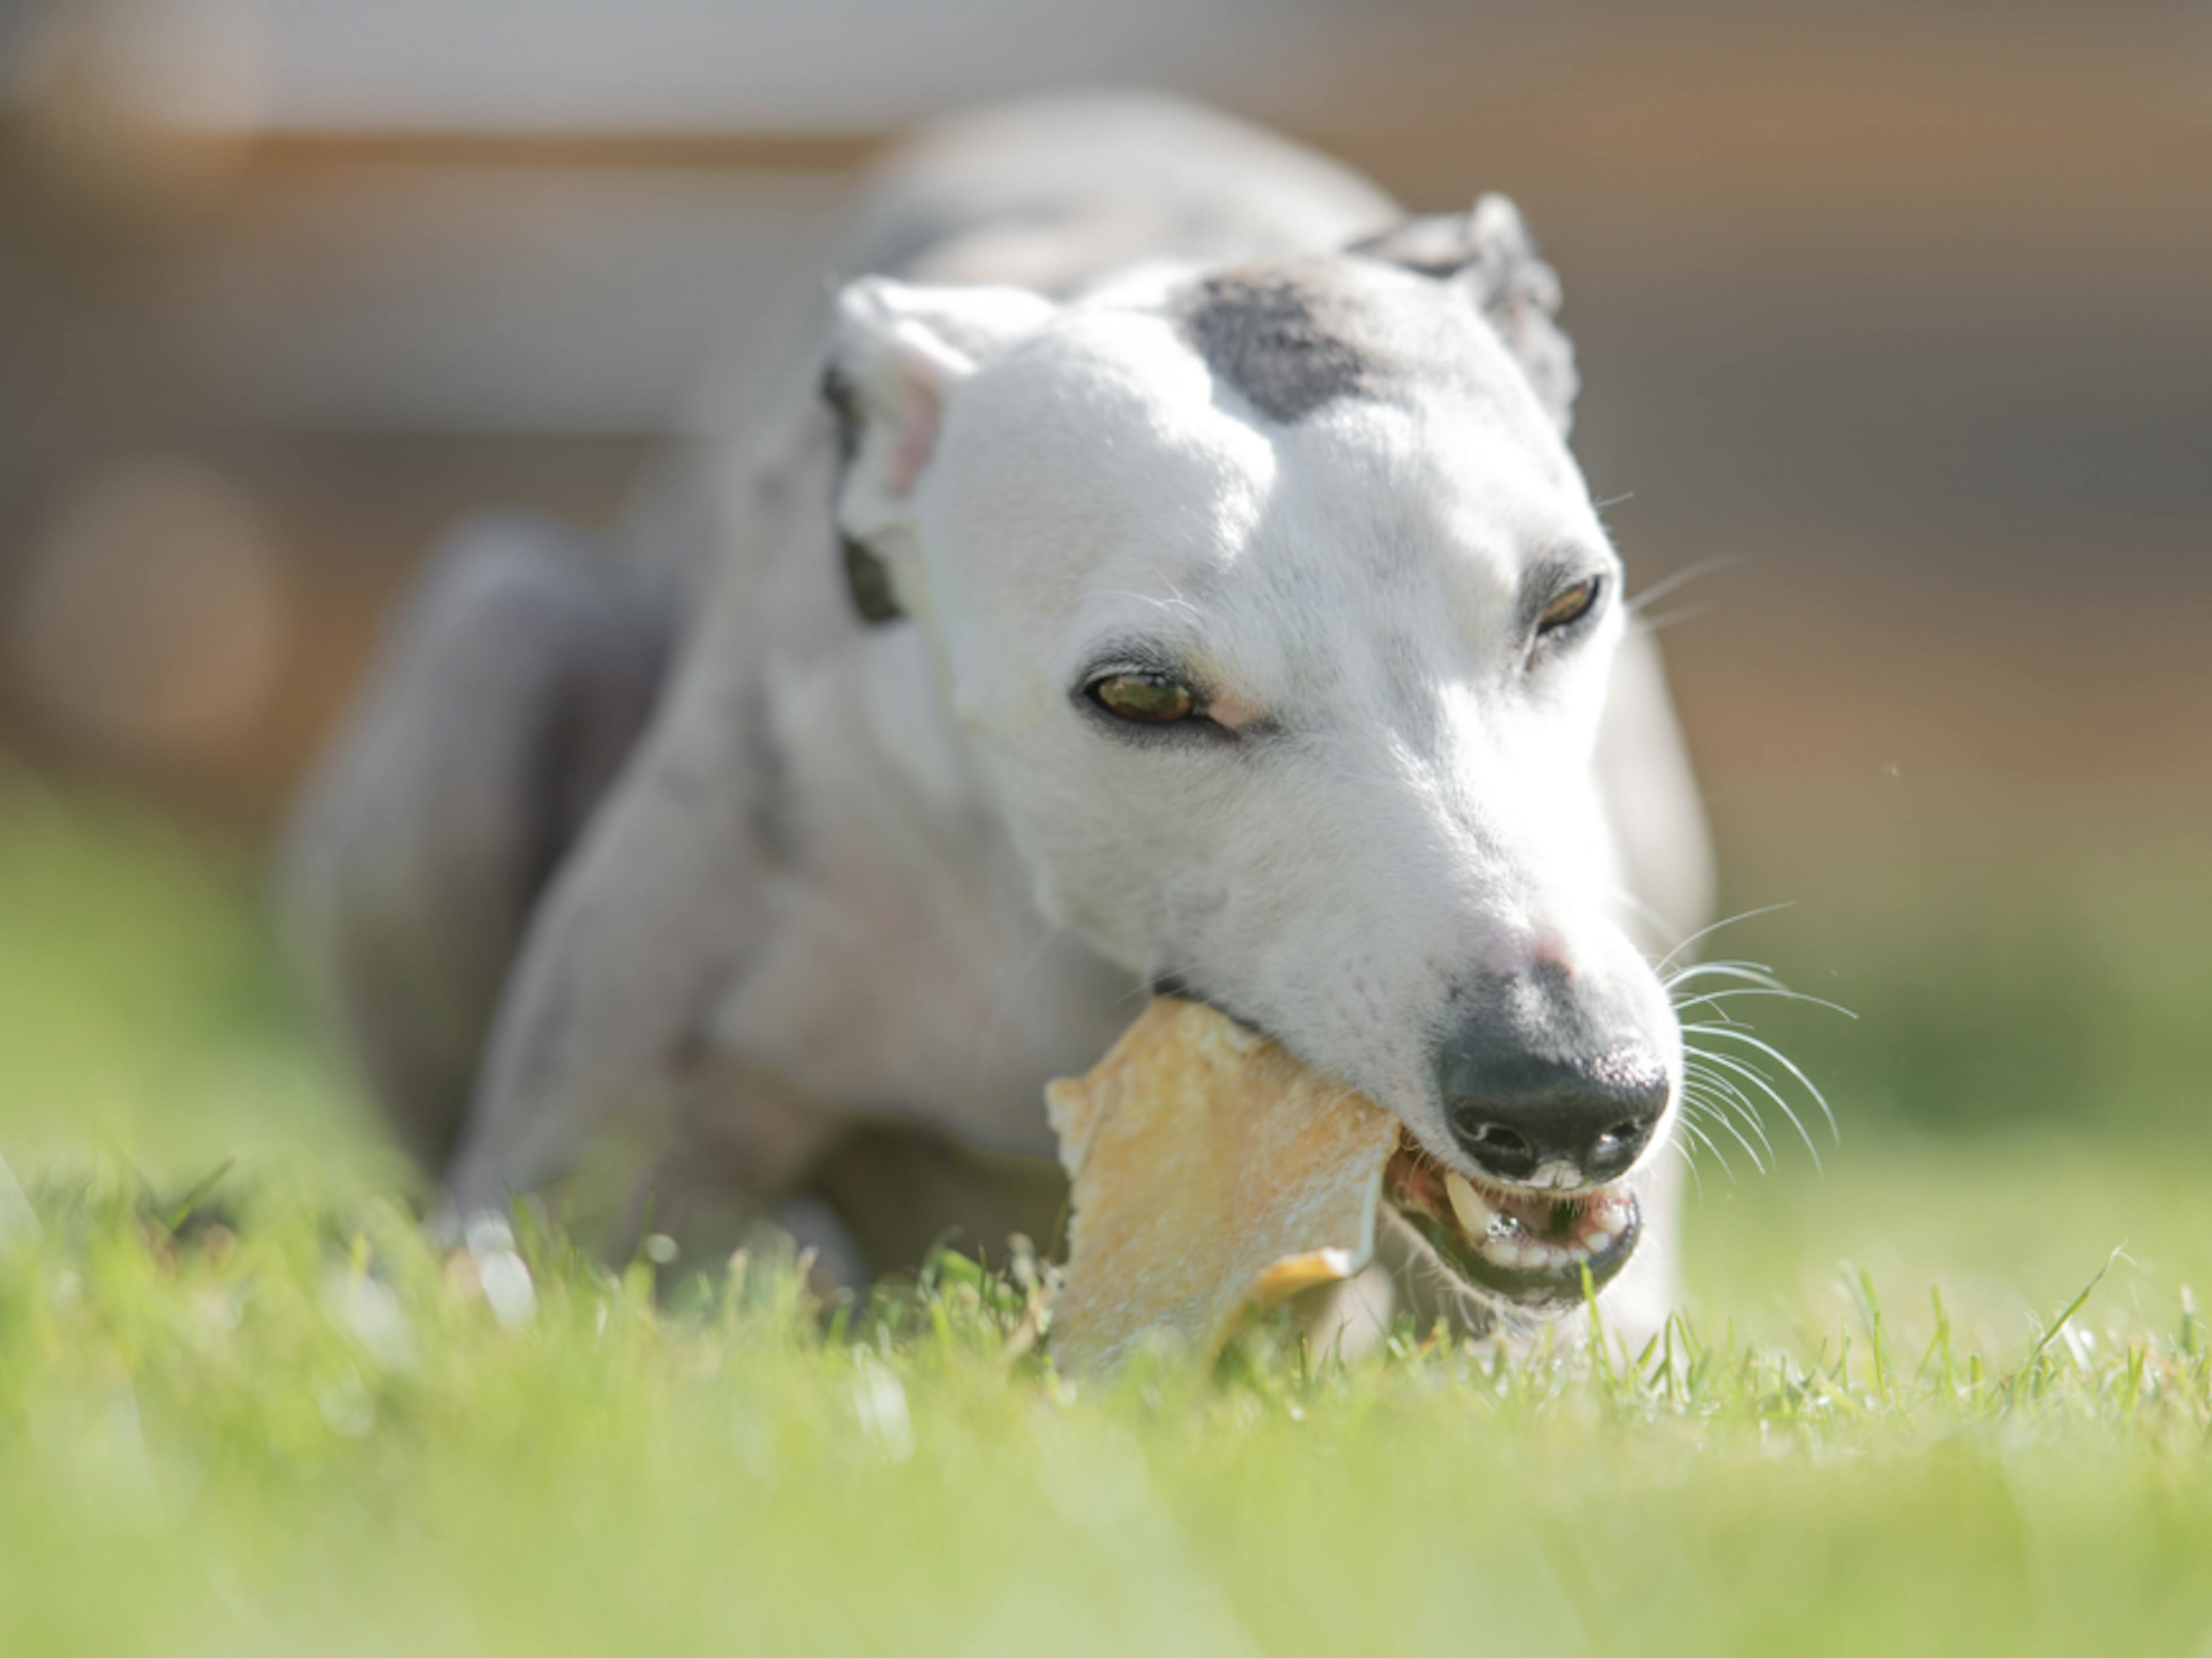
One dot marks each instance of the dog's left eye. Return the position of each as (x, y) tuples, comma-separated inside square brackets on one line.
[(1144, 698), (1569, 608)]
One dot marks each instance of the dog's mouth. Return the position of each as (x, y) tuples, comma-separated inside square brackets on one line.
[(1534, 1249)]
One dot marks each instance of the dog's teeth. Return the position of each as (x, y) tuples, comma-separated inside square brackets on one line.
[(1474, 1215)]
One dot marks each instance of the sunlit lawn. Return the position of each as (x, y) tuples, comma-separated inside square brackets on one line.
[(264, 1416)]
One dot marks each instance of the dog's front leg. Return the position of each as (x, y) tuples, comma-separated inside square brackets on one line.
[(606, 1023)]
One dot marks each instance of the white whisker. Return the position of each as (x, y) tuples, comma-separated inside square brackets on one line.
[(1715, 1079), (1687, 574), (1689, 1163), (1725, 1111), (1784, 993), (1753, 972), (1706, 1140), (1707, 932), (1726, 1123), (1175, 604), (1780, 1058), (1759, 1080), (1666, 619)]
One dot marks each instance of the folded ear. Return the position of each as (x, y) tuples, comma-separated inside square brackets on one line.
[(1489, 251), (897, 354)]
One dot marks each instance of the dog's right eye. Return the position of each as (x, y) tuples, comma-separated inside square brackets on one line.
[(1144, 698), (1569, 607)]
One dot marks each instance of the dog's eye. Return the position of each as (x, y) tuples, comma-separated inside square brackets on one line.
[(1569, 608), (1146, 699)]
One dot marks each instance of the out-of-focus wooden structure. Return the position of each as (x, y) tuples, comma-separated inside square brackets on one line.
[(1898, 312)]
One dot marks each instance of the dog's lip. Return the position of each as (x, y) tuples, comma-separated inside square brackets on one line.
[(1538, 1250)]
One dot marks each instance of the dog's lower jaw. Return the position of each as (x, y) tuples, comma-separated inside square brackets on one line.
[(1539, 1251)]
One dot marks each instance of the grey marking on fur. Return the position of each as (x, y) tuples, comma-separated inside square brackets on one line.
[(1280, 335)]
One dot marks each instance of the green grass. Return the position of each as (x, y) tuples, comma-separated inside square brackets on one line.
[(266, 1416)]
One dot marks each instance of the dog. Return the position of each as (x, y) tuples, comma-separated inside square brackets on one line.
[(1167, 573)]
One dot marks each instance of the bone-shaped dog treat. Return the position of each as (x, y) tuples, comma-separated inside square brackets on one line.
[(1212, 1170)]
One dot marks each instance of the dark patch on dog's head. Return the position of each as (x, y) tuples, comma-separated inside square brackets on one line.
[(1280, 335)]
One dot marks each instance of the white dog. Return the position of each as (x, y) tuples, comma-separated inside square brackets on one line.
[(1171, 572)]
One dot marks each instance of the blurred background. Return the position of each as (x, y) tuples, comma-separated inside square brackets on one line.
[(1895, 322)]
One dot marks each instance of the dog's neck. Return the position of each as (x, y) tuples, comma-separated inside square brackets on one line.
[(904, 887)]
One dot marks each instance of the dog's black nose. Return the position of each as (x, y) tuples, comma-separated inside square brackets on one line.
[(1592, 1120), (1534, 1084)]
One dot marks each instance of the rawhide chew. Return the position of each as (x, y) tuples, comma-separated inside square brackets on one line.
[(1211, 1171)]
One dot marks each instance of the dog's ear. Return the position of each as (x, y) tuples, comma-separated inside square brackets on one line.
[(1489, 251), (897, 354)]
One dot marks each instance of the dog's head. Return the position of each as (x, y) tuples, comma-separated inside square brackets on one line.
[(1281, 620)]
